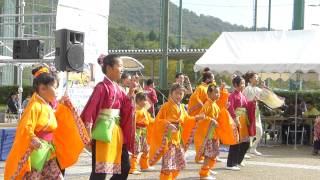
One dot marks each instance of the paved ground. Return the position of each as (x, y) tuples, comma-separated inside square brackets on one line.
[(278, 162)]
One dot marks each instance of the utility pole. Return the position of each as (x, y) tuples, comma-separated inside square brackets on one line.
[(164, 44), (298, 15), (255, 15), (269, 16), (180, 62)]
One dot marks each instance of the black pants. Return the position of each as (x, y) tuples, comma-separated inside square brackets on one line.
[(237, 153), (316, 146), (125, 166)]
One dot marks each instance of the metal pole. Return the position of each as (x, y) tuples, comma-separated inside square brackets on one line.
[(152, 69), (67, 88), (295, 114), (164, 47), (23, 4), (20, 89), (180, 62), (255, 15), (298, 15), (17, 18), (32, 31), (269, 16)]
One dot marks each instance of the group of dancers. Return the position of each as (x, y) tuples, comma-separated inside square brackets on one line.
[(121, 134)]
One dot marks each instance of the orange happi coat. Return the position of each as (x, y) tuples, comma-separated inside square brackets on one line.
[(37, 117)]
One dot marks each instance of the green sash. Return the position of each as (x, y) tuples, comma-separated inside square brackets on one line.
[(211, 130), (40, 156), (239, 112), (106, 121)]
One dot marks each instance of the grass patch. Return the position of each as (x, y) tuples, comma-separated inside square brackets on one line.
[(3, 108)]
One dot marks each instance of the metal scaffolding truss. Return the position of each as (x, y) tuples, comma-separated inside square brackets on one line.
[(27, 20), (156, 53)]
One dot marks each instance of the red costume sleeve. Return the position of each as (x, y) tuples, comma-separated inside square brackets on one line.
[(251, 109), (127, 122)]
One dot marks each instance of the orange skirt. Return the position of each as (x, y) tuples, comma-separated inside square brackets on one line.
[(227, 131)]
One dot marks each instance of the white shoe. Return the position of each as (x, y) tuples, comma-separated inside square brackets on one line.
[(257, 153), (213, 172), (149, 169), (209, 178), (218, 159), (199, 162), (234, 168), (242, 164), (247, 156), (136, 172)]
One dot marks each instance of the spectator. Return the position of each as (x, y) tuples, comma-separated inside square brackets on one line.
[(184, 81), (152, 95), (312, 111), (13, 103), (126, 82), (26, 101), (302, 105), (290, 109)]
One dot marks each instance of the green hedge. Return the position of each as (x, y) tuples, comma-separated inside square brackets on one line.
[(5, 91)]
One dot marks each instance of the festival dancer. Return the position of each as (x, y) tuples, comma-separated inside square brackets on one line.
[(108, 117), (45, 141), (168, 126), (239, 108), (144, 123)]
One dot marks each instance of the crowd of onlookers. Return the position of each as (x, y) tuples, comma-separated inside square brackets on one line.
[(13, 105)]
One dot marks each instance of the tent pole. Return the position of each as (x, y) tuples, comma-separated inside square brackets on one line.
[(295, 114)]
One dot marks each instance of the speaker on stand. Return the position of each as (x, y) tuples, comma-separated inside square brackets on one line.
[(69, 55)]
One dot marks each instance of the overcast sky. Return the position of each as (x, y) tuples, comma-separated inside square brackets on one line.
[(241, 12)]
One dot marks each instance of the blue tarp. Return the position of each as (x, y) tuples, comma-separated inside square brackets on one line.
[(6, 140)]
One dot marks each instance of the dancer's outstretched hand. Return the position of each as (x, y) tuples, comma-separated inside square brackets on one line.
[(200, 117), (173, 128)]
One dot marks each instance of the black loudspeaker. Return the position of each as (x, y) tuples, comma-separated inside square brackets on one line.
[(28, 49), (69, 50)]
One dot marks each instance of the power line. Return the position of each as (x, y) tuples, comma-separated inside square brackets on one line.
[(235, 6)]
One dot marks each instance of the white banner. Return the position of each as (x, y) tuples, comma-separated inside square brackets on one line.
[(91, 18)]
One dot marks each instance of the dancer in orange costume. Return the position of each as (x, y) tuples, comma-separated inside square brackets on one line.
[(197, 99), (205, 139), (168, 126), (227, 132), (144, 122), (41, 127)]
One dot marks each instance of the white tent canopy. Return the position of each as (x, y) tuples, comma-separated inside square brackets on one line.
[(270, 51)]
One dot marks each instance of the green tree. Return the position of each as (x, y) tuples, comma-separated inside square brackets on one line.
[(152, 36)]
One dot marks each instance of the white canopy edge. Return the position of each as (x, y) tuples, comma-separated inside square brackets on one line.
[(264, 51)]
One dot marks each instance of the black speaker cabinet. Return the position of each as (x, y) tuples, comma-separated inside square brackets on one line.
[(69, 50), (28, 49)]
